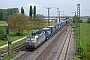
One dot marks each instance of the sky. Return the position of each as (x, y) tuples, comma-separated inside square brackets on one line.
[(66, 7)]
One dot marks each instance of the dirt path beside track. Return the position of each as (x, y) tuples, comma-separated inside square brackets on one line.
[(3, 24)]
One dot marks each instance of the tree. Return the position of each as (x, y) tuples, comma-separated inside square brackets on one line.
[(38, 21), (11, 11), (80, 21), (88, 20), (15, 10), (30, 11), (34, 11), (75, 19), (19, 23), (67, 17), (1, 13), (22, 10), (7, 12), (5, 18)]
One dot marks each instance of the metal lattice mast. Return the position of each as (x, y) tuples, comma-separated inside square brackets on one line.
[(78, 29)]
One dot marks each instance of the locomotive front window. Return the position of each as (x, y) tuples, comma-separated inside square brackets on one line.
[(28, 39), (32, 40)]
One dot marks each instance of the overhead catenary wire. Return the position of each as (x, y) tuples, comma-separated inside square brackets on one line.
[(86, 10), (64, 10), (69, 8), (53, 13)]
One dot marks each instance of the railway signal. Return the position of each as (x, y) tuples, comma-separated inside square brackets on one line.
[(9, 42), (7, 31)]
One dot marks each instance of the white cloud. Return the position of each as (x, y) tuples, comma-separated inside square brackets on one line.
[(33, 4), (38, 7)]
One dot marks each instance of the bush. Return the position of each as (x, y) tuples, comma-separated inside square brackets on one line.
[(73, 25), (2, 33), (80, 21), (88, 20)]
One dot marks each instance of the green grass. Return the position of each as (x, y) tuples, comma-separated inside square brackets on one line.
[(84, 36), (13, 37), (75, 58), (3, 22), (13, 45), (73, 25), (51, 23)]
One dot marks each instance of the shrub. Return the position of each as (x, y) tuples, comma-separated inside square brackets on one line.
[(88, 20), (2, 33)]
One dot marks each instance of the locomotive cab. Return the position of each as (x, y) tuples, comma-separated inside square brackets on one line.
[(30, 42)]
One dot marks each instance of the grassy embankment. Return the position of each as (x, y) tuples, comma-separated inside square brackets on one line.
[(84, 37), (3, 22)]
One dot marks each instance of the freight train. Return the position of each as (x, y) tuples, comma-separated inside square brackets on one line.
[(35, 40)]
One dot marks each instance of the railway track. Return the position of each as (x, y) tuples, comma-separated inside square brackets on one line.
[(16, 49), (33, 55), (63, 53), (49, 52), (29, 55), (22, 55)]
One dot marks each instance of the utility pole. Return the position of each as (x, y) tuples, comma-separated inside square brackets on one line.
[(59, 16), (75, 17), (48, 15), (78, 29), (58, 13), (75, 13)]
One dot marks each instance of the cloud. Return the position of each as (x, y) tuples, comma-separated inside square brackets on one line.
[(33, 4)]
